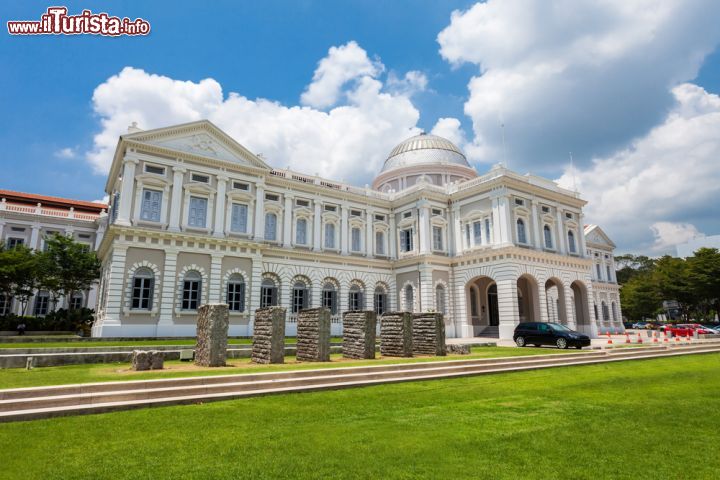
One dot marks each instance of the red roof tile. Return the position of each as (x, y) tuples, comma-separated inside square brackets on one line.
[(34, 198)]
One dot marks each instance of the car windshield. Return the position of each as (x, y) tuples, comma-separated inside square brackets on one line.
[(559, 328)]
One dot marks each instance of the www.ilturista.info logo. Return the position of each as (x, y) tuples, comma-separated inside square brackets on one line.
[(57, 22)]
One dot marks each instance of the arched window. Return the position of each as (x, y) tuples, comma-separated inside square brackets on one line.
[(236, 293), (270, 226), (329, 297), (143, 287), (521, 236), (409, 300), (300, 297), (329, 235), (440, 299), (301, 232), (548, 236), (614, 311), (355, 299), (192, 286), (76, 301), (380, 300), (571, 242), (605, 313), (268, 293), (42, 304)]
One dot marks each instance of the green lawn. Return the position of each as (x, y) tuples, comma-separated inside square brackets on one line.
[(108, 372), (131, 343), (651, 419)]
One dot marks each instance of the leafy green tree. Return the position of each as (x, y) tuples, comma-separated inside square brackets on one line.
[(704, 278), (18, 273), (672, 279), (67, 267), (640, 297), (631, 266)]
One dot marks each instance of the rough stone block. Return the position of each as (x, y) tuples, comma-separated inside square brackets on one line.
[(313, 335), (396, 337), (428, 334), (212, 332), (269, 336), (456, 349), (141, 360), (157, 360), (359, 334)]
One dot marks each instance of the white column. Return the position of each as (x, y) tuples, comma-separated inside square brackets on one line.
[(560, 233), (287, 221), (176, 202), (369, 218), (259, 231), (424, 227), (392, 236), (507, 220), (581, 234), (126, 191), (570, 308), (219, 225), (114, 293), (542, 300), (216, 293), (536, 226), (317, 225), (34, 237), (2, 225), (457, 228), (426, 290), (167, 294), (98, 235), (497, 223), (507, 307), (344, 230)]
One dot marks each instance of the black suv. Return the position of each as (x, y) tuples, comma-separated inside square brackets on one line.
[(540, 333)]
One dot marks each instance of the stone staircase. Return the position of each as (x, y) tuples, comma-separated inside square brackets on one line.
[(44, 402), (490, 332)]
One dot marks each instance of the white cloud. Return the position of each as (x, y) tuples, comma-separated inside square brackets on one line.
[(574, 75), (413, 82), (668, 235), (66, 153), (646, 195), (349, 141), (342, 64)]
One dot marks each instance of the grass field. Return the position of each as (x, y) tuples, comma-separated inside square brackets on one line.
[(108, 372), (646, 419)]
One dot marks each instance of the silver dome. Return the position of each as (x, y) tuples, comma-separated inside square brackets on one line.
[(424, 149)]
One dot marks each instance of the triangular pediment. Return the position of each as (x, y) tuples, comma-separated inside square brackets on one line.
[(595, 235), (201, 138)]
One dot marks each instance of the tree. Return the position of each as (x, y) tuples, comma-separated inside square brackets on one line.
[(632, 265), (640, 297), (67, 267), (672, 279), (704, 276), (18, 273)]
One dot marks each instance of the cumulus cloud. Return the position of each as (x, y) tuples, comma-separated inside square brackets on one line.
[(574, 75), (66, 153), (413, 82), (342, 64), (349, 141), (665, 186)]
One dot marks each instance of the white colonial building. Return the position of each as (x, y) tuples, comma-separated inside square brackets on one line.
[(195, 217)]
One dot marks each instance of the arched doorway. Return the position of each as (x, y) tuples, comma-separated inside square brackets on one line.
[(528, 299), (555, 301), (581, 307), (482, 306)]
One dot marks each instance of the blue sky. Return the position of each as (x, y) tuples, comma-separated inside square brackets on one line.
[(609, 103)]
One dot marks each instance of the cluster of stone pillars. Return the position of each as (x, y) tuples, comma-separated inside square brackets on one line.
[(402, 334)]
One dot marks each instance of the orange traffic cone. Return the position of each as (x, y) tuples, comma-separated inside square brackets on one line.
[(665, 340), (655, 338), (609, 338), (627, 338), (640, 340)]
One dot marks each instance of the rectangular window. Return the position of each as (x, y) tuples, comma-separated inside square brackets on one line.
[(607, 270), (467, 235), (519, 201), (329, 235), (42, 302), (241, 186), (568, 215), (13, 242), (76, 302), (191, 294), (380, 218), (268, 296), (545, 209), (407, 214), (270, 226), (196, 177), (302, 203), (142, 293), (487, 230), (477, 232), (301, 232), (356, 243), (355, 301), (437, 238), (329, 300), (330, 208), (198, 212), (236, 296), (380, 243), (151, 204), (436, 211), (155, 169), (380, 303), (272, 197), (355, 213), (238, 218), (299, 301), (406, 240), (598, 271)]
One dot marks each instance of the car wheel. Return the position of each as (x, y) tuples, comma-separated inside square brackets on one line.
[(561, 343), (520, 341)]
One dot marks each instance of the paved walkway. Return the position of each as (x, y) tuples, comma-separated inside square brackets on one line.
[(600, 342)]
